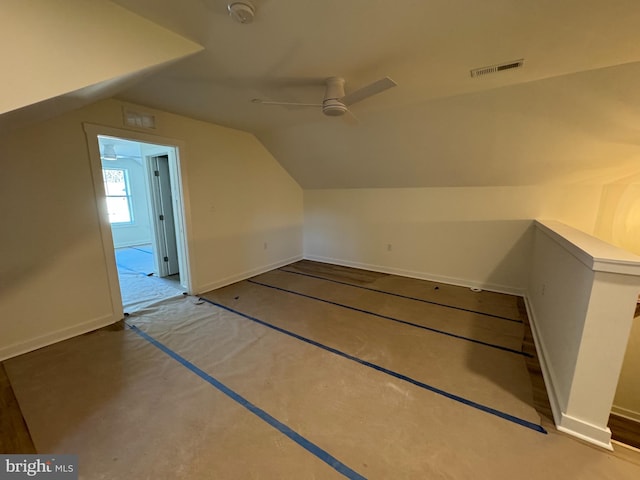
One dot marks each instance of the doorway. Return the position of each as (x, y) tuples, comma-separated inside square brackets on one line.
[(144, 212)]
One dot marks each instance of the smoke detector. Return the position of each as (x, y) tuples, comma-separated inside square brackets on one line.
[(241, 12)]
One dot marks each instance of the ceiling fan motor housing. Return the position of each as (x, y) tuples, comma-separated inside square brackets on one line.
[(331, 105)]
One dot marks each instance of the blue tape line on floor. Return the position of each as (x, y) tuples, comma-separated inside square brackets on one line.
[(470, 403), (281, 427), (402, 296), (397, 320)]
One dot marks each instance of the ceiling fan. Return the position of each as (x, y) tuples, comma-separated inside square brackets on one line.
[(335, 103), (108, 153)]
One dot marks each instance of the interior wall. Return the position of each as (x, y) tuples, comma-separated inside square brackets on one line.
[(60, 36), (476, 236), (619, 224), (627, 399), (618, 220), (245, 215), (139, 231), (560, 288), (581, 297)]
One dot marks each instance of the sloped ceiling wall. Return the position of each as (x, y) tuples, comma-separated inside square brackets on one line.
[(568, 116), (579, 128), (76, 52)]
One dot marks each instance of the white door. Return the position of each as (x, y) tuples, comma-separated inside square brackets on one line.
[(164, 221)]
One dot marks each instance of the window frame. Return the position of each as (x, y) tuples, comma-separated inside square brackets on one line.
[(128, 196)]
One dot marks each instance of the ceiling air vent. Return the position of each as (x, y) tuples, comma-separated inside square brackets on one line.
[(478, 72)]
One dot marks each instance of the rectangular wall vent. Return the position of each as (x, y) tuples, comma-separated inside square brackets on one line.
[(139, 119), (478, 72)]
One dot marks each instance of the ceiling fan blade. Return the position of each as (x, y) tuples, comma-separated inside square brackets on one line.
[(286, 104), (372, 89), (350, 118)]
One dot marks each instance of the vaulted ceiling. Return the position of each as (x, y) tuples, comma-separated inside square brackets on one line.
[(570, 115)]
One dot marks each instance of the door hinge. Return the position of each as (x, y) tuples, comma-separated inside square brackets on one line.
[(156, 173), (166, 259), (161, 217)]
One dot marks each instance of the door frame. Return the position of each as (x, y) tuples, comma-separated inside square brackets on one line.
[(183, 227), (160, 230)]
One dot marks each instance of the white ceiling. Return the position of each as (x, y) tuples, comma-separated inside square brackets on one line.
[(572, 114), (123, 148)]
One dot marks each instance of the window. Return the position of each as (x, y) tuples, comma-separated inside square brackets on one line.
[(116, 186)]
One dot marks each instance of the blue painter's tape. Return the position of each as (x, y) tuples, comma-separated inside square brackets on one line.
[(397, 320), (400, 376), (281, 427), (402, 296)]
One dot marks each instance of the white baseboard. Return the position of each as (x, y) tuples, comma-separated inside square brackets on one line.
[(626, 413), (419, 275), (223, 282), (600, 436), (20, 348), (625, 446)]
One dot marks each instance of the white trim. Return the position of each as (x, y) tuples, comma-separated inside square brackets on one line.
[(92, 131), (106, 237), (599, 256), (585, 431), (624, 445), (492, 287), (626, 413), (244, 275), (176, 174), (57, 336)]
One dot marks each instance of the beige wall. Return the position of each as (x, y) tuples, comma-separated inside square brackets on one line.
[(619, 223), (53, 280), (618, 219), (476, 236), (627, 399), (47, 39)]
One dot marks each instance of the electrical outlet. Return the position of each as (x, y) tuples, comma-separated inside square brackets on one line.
[(265, 245), (388, 247)]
